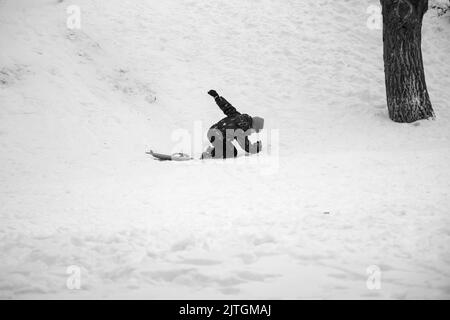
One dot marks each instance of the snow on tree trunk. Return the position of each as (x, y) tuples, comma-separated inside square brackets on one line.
[(406, 89)]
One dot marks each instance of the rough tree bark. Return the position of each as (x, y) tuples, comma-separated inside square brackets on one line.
[(406, 89)]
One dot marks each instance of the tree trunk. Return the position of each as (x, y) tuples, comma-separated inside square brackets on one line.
[(406, 89)]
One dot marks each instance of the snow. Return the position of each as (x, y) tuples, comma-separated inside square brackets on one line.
[(348, 189)]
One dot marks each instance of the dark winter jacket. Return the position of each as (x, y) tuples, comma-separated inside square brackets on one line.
[(234, 120)]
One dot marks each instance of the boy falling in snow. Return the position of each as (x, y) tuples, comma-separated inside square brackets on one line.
[(234, 126)]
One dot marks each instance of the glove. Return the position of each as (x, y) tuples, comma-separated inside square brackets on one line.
[(213, 93)]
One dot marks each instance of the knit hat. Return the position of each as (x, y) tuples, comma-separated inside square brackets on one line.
[(257, 123)]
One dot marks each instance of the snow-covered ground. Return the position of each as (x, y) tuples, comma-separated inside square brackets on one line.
[(348, 189)]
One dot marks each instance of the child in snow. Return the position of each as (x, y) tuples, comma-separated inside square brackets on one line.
[(234, 126)]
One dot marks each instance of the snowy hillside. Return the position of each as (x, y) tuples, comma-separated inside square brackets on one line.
[(350, 189)]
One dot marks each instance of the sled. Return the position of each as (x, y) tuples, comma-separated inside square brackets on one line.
[(179, 156)]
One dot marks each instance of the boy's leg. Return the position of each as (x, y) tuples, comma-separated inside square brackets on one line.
[(221, 148), (230, 150), (215, 138)]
